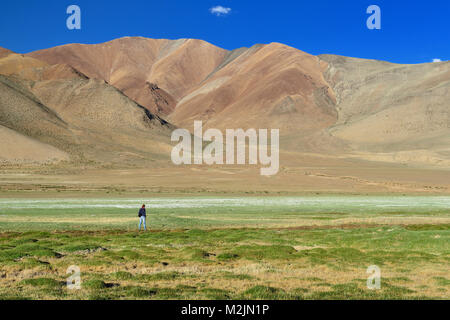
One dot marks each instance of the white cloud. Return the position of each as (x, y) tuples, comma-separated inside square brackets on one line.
[(220, 11), (437, 60)]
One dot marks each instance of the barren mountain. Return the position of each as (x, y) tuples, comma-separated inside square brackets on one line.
[(266, 86), (86, 119), (154, 73), (14, 63), (28, 127), (275, 84), (325, 105), (271, 86), (33, 69), (396, 112), (4, 52)]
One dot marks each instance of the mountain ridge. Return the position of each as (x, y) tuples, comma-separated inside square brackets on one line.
[(327, 104)]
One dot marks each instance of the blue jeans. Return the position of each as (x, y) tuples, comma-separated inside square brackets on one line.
[(142, 221)]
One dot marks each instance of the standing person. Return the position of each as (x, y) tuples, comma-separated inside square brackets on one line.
[(142, 217)]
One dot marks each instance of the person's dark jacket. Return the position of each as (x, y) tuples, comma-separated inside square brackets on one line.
[(142, 212)]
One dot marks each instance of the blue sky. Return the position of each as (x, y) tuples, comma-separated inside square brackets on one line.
[(411, 31)]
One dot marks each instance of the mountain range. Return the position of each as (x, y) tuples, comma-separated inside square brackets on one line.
[(118, 102)]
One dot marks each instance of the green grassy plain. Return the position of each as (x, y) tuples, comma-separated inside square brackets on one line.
[(208, 248)]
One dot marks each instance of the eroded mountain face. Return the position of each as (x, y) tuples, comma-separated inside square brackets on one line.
[(392, 110), (129, 64), (109, 100), (54, 112)]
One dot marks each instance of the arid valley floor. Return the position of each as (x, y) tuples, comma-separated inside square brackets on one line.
[(225, 233)]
